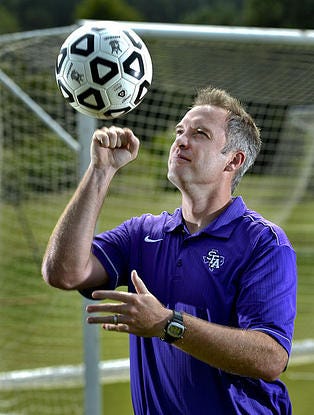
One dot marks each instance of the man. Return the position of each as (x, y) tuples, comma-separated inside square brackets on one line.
[(212, 287)]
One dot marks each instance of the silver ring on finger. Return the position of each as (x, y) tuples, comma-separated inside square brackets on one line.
[(115, 319)]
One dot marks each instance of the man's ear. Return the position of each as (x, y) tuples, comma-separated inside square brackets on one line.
[(236, 162)]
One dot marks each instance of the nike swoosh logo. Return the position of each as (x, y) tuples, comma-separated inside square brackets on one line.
[(148, 239)]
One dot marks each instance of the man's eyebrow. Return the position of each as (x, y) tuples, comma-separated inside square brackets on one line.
[(200, 127), (206, 130)]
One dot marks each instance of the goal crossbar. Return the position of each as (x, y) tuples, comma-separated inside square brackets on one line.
[(225, 33)]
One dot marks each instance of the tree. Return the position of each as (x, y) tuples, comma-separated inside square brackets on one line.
[(107, 10), (216, 14), (267, 13), (8, 23), (38, 14), (279, 13)]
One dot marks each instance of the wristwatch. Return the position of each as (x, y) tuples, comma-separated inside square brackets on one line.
[(174, 329)]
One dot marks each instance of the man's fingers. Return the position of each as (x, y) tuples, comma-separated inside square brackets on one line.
[(121, 296), (138, 283), (105, 308), (109, 323), (99, 320), (112, 137)]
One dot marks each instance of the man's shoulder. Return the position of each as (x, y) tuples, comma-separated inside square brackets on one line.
[(150, 221), (263, 228), (156, 218)]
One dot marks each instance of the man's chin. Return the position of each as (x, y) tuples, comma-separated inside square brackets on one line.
[(172, 179), (175, 180)]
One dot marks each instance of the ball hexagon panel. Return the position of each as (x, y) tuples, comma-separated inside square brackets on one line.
[(103, 70), (65, 92), (91, 98), (73, 74), (120, 93), (61, 57), (141, 92), (114, 45), (84, 45), (134, 65), (115, 113), (135, 43)]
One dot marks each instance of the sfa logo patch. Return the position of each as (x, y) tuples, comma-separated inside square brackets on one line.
[(213, 259)]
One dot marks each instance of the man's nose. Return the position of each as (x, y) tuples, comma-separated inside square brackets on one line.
[(182, 140)]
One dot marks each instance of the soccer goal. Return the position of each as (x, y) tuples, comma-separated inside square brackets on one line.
[(270, 71)]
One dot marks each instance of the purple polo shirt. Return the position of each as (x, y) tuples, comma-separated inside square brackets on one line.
[(240, 271)]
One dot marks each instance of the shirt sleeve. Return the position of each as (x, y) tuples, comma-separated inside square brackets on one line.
[(267, 294), (111, 248)]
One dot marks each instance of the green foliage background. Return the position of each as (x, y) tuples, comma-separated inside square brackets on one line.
[(16, 15)]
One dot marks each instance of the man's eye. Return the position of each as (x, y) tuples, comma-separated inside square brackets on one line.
[(199, 131)]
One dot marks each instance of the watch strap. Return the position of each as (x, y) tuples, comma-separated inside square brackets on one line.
[(177, 318)]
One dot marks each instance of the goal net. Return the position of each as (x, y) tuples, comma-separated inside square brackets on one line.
[(271, 72)]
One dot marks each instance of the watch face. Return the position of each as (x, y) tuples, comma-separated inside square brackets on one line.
[(175, 329)]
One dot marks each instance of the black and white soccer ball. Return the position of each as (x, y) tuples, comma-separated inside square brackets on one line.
[(104, 70)]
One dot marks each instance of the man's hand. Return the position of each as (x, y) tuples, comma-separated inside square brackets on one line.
[(113, 147), (140, 314)]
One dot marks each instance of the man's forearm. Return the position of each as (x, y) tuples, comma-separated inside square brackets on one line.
[(243, 352), (66, 262)]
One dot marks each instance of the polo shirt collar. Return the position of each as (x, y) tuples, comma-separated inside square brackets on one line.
[(222, 226)]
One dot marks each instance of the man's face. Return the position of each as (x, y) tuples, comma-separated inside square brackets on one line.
[(195, 156)]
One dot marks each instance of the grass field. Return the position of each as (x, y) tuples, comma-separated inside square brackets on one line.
[(40, 326)]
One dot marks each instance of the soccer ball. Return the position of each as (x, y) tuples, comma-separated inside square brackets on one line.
[(104, 70)]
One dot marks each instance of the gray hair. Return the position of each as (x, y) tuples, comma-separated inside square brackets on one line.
[(241, 132)]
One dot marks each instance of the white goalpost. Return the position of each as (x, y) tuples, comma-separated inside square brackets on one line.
[(111, 371)]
